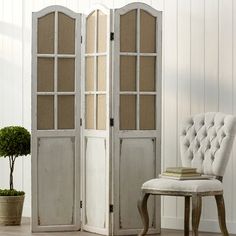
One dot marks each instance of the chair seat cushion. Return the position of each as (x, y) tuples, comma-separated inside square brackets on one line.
[(162, 184)]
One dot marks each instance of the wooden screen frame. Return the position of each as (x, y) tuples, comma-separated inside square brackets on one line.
[(138, 56), (90, 133), (118, 134), (56, 133), (96, 55)]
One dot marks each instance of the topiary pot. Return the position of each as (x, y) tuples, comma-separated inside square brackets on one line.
[(11, 209)]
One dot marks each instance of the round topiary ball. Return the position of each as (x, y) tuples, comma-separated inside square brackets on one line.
[(14, 141)]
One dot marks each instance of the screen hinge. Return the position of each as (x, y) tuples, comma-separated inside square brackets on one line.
[(112, 36), (111, 208), (81, 204), (111, 122), (81, 122)]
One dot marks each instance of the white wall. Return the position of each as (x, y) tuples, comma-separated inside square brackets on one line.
[(199, 74)]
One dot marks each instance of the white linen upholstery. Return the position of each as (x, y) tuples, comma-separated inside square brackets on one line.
[(183, 185), (206, 141)]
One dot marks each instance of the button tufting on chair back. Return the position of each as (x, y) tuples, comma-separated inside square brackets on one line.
[(206, 141)]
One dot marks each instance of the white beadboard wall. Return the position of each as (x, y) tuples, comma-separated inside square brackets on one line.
[(199, 74)]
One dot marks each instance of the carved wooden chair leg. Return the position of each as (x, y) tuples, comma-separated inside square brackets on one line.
[(142, 207), (221, 214), (186, 215), (196, 213)]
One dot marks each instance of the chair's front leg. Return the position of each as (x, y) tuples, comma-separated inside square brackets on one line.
[(221, 214), (142, 207), (196, 213), (186, 215)]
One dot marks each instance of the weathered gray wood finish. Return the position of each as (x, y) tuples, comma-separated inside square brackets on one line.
[(186, 215), (116, 122), (221, 214), (137, 114), (55, 120), (196, 209)]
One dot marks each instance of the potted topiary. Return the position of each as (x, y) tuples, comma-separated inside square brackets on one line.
[(14, 142)]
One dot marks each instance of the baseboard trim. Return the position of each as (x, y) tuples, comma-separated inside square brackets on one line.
[(205, 225)]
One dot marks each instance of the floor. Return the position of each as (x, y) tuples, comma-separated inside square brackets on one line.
[(24, 230)]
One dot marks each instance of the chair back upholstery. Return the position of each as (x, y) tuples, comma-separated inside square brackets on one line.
[(206, 141)]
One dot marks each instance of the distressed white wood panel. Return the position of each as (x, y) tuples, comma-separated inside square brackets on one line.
[(106, 3), (211, 54), (170, 128), (157, 4), (7, 115), (26, 97), (26, 185), (56, 180), (71, 4), (197, 56), (10, 61), (60, 210), (211, 79), (225, 56), (225, 85), (137, 165), (121, 3), (95, 182), (234, 110), (83, 6), (11, 80), (183, 76)]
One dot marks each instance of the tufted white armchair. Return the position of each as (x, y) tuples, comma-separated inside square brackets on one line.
[(205, 143)]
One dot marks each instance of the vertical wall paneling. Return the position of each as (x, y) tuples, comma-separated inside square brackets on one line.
[(197, 56), (211, 55), (158, 4), (226, 83), (234, 107), (184, 82), (11, 80), (26, 96), (121, 3), (170, 96), (216, 85), (211, 78)]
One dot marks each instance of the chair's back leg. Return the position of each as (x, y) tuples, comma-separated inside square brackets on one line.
[(196, 213), (142, 207), (186, 215), (221, 214)]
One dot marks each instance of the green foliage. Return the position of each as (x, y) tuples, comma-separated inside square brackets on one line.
[(14, 141), (13, 192)]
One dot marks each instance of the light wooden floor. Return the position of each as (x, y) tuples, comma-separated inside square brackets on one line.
[(24, 230)]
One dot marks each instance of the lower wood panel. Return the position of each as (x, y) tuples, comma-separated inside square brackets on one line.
[(137, 165), (95, 182), (56, 183)]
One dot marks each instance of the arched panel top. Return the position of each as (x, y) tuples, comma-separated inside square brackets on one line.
[(98, 7), (54, 8), (56, 29), (137, 5), (97, 28)]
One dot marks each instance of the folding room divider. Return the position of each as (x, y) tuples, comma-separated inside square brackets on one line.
[(96, 118)]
